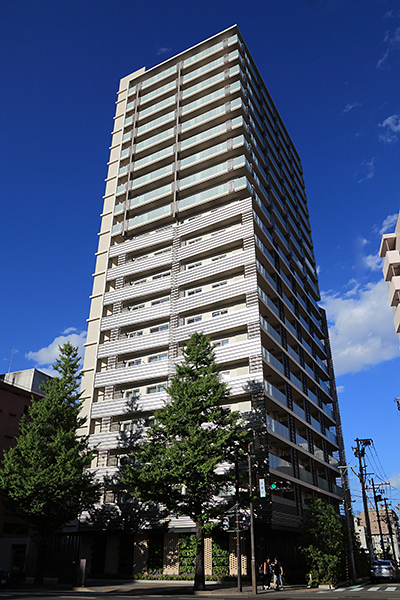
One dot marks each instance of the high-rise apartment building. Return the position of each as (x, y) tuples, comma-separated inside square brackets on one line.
[(390, 251), (205, 227)]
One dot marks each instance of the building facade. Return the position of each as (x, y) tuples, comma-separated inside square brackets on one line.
[(205, 227), (390, 533), (390, 251)]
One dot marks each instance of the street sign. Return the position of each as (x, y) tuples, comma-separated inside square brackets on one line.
[(261, 483)]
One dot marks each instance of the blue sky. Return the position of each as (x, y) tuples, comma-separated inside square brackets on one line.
[(332, 68)]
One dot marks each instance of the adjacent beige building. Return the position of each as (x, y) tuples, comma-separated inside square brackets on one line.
[(205, 227)]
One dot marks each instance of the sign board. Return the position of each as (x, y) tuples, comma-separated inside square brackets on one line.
[(261, 483)]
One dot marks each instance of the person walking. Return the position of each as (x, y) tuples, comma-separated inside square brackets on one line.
[(266, 574), (278, 572)]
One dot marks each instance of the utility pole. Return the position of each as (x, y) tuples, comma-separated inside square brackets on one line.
[(348, 526), (238, 553), (252, 543), (359, 452), (389, 524), (379, 519)]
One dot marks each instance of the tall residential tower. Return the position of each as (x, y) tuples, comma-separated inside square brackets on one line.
[(205, 227)]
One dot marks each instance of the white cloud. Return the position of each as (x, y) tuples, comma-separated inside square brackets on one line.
[(351, 106), (162, 50), (373, 262), (340, 389), (391, 126), (367, 170), (388, 224), (360, 327), (46, 356), (392, 42)]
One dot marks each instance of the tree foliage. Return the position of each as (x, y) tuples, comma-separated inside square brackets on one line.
[(193, 436), (323, 541), (43, 476)]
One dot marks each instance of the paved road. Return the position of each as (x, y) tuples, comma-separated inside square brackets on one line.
[(182, 591)]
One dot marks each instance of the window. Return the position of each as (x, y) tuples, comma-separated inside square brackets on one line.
[(132, 393), (225, 374), (136, 307), (196, 291), (194, 265), (194, 241), (162, 251), (161, 301), (132, 334), (134, 362), (138, 282), (159, 328), (162, 275), (221, 343), (158, 357), (218, 313), (219, 284), (193, 320), (218, 257), (154, 389)]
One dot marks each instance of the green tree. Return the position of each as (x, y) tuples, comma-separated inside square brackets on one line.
[(323, 541), (43, 477), (191, 436)]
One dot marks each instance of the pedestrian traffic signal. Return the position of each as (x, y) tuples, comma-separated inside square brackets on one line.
[(280, 485)]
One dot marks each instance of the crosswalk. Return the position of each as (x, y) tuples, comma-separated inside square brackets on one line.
[(365, 588)]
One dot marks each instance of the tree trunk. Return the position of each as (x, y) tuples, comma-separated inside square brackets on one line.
[(42, 547), (199, 579)]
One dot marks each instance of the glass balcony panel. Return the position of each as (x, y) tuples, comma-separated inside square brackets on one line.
[(125, 152), (322, 364), (328, 409), (325, 387), (123, 170), (316, 424), (157, 193), (306, 476), (272, 360), (203, 54), (296, 381), (155, 123), (265, 274), (293, 354), (322, 483), (196, 139), (312, 397), (301, 442), (280, 464), (212, 193), (331, 436), (274, 334), (319, 453), (152, 175), (155, 139), (153, 214), (127, 136), (290, 328), (264, 250), (158, 91), (159, 76), (299, 411), (337, 490), (154, 157), (274, 392), (268, 301), (277, 427), (309, 370), (155, 107)]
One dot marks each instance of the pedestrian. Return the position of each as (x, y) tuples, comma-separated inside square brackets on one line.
[(278, 572), (266, 574)]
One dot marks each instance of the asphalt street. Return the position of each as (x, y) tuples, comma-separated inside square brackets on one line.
[(183, 591)]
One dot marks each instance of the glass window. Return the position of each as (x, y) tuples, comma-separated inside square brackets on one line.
[(218, 313), (193, 292), (193, 320)]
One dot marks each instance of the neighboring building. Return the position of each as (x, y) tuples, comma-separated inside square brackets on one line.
[(28, 379), (376, 538), (390, 251), (205, 227), (14, 540)]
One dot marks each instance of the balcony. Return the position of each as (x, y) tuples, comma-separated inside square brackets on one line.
[(280, 464)]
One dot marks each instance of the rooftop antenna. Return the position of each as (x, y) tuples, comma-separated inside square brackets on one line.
[(12, 356)]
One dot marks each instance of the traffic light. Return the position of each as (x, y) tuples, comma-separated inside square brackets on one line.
[(280, 485)]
